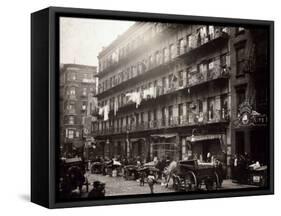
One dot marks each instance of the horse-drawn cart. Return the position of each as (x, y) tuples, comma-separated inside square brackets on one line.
[(72, 176), (191, 176)]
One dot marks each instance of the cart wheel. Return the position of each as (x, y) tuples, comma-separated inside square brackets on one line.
[(190, 181)]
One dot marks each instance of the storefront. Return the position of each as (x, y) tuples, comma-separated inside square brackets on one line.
[(165, 146), (198, 146), (138, 147)]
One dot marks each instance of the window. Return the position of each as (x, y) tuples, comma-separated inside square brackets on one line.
[(85, 76), (170, 81), (84, 106), (84, 92), (149, 116), (164, 116), (200, 111), (70, 107), (164, 84), (77, 134), (187, 75), (70, 134), (223, 60), (137, 119), (154, 114), (240, 60), (158, 57), (180, 120), (71, 120), (240, 96), (224, 106), (210, 106), (189, 41), (170, 113), (182, 46), (173, 51), (165, 55), (200, 106), (72, 91), (121, 123), (73, 76), (180, 74), (188, 111), (142, 117), (134, 71), (202, 68), (151, 61), (211, 32)]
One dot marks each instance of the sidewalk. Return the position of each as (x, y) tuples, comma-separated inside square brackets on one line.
[(228, 184)]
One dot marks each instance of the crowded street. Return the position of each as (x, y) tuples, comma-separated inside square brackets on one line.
[(116, 186)]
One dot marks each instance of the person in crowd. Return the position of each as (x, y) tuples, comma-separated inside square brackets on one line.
[(151, 181), (209, 157), (98, 190), (142, 178)]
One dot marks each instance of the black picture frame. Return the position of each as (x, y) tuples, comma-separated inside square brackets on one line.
[(45, 97)]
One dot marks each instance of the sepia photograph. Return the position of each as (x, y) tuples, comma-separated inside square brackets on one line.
[(151, 108)]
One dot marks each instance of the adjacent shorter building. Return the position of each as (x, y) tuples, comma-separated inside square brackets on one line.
[(78, 86)]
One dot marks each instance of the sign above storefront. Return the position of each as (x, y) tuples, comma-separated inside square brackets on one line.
[(249, 117)]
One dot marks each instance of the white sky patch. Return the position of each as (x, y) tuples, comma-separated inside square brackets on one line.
[(81, 39)]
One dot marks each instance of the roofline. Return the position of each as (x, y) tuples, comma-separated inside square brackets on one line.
[(120, 38)]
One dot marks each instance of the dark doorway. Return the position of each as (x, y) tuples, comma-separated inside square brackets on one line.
[(240, 142)]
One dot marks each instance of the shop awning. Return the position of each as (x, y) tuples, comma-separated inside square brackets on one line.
[(164, 135), (203, 137)]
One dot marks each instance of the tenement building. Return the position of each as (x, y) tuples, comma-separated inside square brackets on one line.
[(174, 90), (77, 104)]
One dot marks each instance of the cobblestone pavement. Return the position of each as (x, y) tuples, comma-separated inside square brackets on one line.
[(116, 186)]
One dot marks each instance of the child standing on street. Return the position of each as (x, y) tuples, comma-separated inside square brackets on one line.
[(151, 181)]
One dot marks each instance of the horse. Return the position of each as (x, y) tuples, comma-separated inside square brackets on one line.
[(169, 172)]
